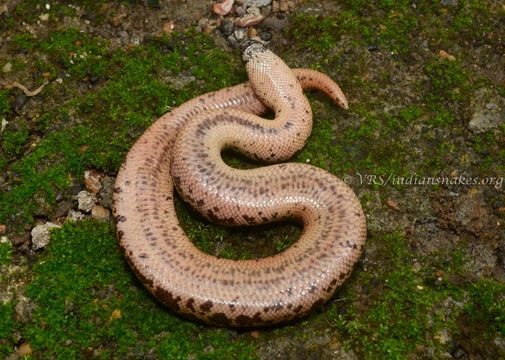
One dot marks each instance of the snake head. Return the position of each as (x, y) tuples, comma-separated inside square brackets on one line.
[(250, 48)]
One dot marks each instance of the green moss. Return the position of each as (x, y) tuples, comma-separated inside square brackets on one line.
[(78, 53), (23, 42), (471, 18), (5, 253), (88, 302), (403, 310), (6, 328), (5, 107), (407, 308), (31, 10), (14, 142), (487, 306), (405, 117), (314, 32), (449, 80), (440, 117), (236, 243), (95, 130)]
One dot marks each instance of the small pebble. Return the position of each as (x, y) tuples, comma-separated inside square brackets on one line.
[(98, 212), (266, 35), (249, 20), (256, 3), (223, 8), (372, 48), (266, 10), (283, 6), (168, 27), (3, 125), (7, 67), (85, 201), (135, 40), (75, 216), (41, 235), (237, 38), (275, 6), (393, 204), (107, 191), (116, 314), (252, 33), (44, 17), (253, 11), (207, 25), (3, 229), (445, 55), (226, 27), (21, 239), (24, 350), (92, 180), (240, 11)]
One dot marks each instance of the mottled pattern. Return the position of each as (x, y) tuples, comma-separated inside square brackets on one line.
[(243, 292)]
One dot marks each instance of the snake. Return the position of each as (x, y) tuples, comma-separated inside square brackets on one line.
[(182, 150)]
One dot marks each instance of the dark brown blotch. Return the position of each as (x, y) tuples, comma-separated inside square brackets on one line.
[(248, 219), (120, 218), (244, 320), (206, 306), (212, 216), (298, 309), (190, 304), (317, 304), (167, 298), (220, 319)]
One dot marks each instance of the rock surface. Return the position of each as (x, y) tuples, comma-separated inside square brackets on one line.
[(489, 111), (85, 201), (92, 180), (41, 235), (100, 213)]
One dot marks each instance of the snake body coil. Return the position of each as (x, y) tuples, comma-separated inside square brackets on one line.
[(185, 145)]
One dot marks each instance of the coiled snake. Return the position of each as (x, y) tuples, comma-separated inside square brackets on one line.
[(183, 147)]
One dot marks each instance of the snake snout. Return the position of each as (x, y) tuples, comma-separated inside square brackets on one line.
[(251, 47)]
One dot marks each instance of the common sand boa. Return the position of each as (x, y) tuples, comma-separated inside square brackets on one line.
[(244, 292)]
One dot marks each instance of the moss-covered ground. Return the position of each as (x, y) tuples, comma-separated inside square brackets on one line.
[(424, 288)]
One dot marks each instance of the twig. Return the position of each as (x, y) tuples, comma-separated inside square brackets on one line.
[(24, 89)]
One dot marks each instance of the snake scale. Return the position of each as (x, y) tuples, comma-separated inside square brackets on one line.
[(182, 149)]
